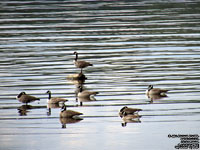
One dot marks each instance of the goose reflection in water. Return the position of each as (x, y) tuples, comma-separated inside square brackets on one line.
[(65, 121), (130, 118), (50, 106), (77, 77), (78, 80), (156, 97), (23, 110)]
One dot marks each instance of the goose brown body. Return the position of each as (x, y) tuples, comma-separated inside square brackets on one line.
[(80, 63), (85, 93), (128, 111), (55, 100), (69, 113), (155, 91), (25, 98)]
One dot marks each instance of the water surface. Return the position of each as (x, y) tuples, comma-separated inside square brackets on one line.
[(131, 45)]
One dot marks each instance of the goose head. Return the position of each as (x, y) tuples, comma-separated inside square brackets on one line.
[(76, 58), (121, 110), (150, 87), (20, 94), (48, 92), (122, 114)]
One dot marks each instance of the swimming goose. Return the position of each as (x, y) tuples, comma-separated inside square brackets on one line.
[(25, 98), (85, 96), (155, 91), (55, 100), (128, 111), (81, 64), (69, 113), (85, 93)]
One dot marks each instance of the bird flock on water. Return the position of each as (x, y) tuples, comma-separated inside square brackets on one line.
[(126, 113)]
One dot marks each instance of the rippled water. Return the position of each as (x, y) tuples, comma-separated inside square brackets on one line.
[(131, 45)]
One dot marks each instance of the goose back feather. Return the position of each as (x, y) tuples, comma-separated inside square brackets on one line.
[(69, 113), (55, 100), (155, 91), (25, 98), (80, 63), (128, 111)]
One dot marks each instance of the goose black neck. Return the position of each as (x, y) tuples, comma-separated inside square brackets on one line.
[(64, 108), (49, 95), (76, 58)]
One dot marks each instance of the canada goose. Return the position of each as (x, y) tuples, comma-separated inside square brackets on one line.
[(155, 91), (85, 93), (55, 100), (128, 111), (25, 98), (85, 96), (81, 64), (85, 99), (69, 113)]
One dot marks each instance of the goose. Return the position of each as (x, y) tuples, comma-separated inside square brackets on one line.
[(25, 98), (69, 113), (81, 64), (155, 91), (128, 111), (85, 93), (85, 99), (55, 100), (85, 96)]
